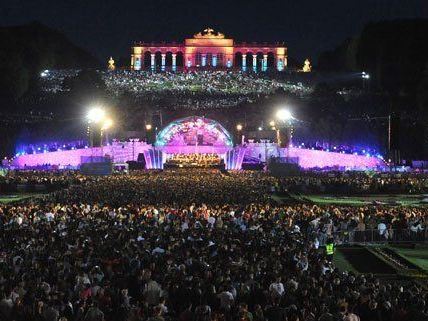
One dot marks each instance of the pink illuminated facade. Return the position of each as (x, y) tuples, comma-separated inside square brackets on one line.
[(307, 158), (209, 49), (198, 135), (119, 152)]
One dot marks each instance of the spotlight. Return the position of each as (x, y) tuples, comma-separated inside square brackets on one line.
[(148, 126), (96, 115), (239, 127), (365, 75), (107, 124), (284, 115)]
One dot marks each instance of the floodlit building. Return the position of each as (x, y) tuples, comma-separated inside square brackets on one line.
[(209, 49)]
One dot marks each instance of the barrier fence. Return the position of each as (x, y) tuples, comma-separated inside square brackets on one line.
[(377, 236)]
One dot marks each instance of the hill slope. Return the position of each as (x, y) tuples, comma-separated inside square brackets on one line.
[(28, 49)]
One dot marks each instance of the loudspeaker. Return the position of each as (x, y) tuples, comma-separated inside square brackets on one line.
[(283, 169), (99, 168), (141, 158), (133, 165)]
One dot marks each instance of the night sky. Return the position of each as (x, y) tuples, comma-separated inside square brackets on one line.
[(107, 27)]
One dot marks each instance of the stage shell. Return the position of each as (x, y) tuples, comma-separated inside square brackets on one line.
[(193, 131)]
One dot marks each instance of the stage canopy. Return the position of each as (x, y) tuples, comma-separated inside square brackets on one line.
[(194, 131)]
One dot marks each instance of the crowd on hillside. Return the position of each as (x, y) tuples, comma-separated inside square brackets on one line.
[(189, 245), (207, 82), (51, 81), (197, 90), (192, 90)]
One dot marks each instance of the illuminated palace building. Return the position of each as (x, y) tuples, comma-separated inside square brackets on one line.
[(209, 49)]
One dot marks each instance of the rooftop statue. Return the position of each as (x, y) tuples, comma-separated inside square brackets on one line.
[(209, 33), (307, 66), (111, 65)]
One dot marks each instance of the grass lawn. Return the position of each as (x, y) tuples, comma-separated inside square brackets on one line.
[(342, 263), (404, 200), (418, 256), (10, 198)]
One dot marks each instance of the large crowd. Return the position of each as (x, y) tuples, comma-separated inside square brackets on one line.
[(190, 90), (208, 82), (188, 245), (351, 183), (198, 89), (306, 182)]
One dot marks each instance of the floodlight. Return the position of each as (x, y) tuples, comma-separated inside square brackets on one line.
[(107, 124), (96, 115), (284, 115)]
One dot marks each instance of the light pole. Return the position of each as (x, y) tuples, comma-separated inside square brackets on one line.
[(365, 77), (95, 117), (98, 123), (239, 129), (148, 131), (284, 126), (107, 123)]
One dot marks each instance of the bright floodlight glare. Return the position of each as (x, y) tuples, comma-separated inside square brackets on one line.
[(284, 114), (239, 127), (107, 123), (95, 115), (148, 126)]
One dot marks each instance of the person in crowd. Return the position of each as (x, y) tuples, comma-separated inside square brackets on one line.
[(329, 249)]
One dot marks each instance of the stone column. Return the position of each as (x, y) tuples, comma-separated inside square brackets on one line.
[(280, 63), (137, 58), (188, 60), (174, 61), (204, 60), (137, 62), (264, 64), (255, 61), (214, 62), (152, 61), (229, 60), (163, 60), (244, 61)]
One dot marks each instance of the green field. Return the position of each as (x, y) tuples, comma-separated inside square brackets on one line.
[(17, 197), (403, 200), (342, 263), (418, 256)]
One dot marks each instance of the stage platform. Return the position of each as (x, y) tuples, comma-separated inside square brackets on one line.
[(155, 157), (198, 135)]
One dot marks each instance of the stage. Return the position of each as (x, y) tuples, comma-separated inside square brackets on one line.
[(197, 136)]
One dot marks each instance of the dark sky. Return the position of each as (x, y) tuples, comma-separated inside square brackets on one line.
[(107, 27)]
